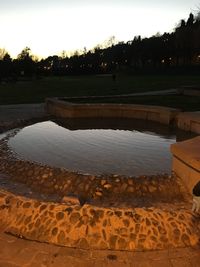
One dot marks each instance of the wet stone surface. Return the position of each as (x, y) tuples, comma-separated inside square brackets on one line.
[(88, 188), (100, 212)]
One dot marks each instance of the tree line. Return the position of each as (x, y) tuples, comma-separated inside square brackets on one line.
[(179, 50)]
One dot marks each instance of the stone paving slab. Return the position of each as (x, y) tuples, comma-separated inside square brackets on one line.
[(16, 252)]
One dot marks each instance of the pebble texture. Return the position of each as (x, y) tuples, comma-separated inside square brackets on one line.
[(88, 226), (78, 223), (64, 182)]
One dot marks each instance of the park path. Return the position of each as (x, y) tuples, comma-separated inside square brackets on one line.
[(158, 92), (14, 113), (16, 252), (147, 93)]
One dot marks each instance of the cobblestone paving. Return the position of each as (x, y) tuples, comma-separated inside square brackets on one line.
[(15, 252)]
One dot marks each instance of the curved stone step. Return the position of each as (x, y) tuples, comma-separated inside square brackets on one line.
[(91, 227)]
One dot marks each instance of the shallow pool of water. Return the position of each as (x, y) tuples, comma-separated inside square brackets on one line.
[(124, 148)]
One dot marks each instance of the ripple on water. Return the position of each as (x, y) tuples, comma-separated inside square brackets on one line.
[(132, 151)]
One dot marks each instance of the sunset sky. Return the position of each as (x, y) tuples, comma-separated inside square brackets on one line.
[(50, 26)]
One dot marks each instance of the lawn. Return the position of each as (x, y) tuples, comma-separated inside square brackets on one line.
[(37, 90), (185, 103)]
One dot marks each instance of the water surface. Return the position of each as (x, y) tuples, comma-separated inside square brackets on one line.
[(125, 148)]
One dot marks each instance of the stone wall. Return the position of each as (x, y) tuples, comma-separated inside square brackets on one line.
[(65, 109), (94, 227), (186, 155), (186, 161), (189, 121)]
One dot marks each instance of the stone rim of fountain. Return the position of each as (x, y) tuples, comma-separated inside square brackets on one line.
[(164, 228)]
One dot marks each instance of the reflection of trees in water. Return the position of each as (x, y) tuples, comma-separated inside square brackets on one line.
[(149, 127)]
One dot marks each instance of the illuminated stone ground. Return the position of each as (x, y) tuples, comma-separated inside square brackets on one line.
[(16, 252)]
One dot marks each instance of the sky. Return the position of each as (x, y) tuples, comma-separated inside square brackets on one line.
[(49, 27)]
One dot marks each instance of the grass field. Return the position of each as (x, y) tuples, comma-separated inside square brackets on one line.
[(37, 90), (185, 103)]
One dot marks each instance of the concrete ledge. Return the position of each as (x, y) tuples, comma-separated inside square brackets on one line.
[(186, 161), (189, 121), (190, 90), (66, 109)]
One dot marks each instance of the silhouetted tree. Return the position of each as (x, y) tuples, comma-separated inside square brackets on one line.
[(6, 66), (190, 20), (24, 64), (179, 49)]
